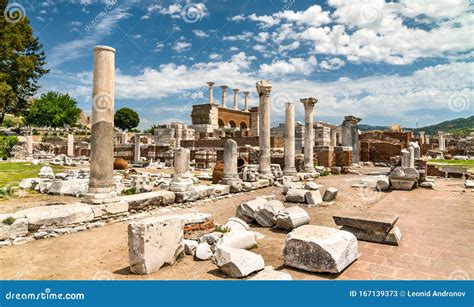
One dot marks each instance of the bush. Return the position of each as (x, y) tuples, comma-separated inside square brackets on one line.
[(6, 145), (324, 173), (130, 191), (9, 220)]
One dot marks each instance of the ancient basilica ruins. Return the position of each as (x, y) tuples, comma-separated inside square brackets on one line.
[(230, 151)]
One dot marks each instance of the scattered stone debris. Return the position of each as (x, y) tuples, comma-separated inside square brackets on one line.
[(237, 263), (330, 194), (291, 218), (203, 251), (320, 249)]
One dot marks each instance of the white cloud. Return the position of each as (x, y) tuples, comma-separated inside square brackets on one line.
[(200, 33), (332, 64), (215, 56), (293, 66), (181, 46), (190, 11), (244, 36), (262, 37)]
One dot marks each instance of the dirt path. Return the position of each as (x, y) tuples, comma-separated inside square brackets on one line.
[(439, 222)]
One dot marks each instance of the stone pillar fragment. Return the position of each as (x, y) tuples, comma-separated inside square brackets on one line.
[(441, 141), (411, 150), (181, 181), (289, 139), (29, 146), (70, 145), (136, 148), (405, 155), (246, 101), (230, 162), (235, 90), (422, 137), (211, 94), (224, 95), (350, 136), (101, 186), (427, 139), (309, 134), (264, 89)]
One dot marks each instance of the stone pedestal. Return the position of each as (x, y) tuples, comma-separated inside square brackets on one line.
[(101, 186), (70, 145), (136, 148), (309, 134), (290, 169), (181, 181), (350, 136), (264, 89), (230, 163)]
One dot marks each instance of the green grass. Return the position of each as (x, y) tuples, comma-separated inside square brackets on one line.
[(12, 172), (460, 163)]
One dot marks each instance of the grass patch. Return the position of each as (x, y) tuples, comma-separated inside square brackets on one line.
[(13, 172), (461, 163), (9, 220)]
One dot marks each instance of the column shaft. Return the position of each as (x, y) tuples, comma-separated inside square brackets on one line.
[(289, 169)]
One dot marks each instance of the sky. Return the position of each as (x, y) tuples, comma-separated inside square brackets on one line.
[(408, 62)]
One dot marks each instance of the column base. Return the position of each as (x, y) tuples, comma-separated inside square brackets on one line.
[(98, 198), (309, 170), (181, 184), (290, 171), (230, 180)]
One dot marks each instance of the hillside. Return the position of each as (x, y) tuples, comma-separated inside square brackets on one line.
[(459, 126)]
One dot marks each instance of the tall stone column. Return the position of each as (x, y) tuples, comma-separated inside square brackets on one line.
[(264, 89), (181, 181), (211, 94), (235, 90), (427, 139), (101, 187), (230, 163), (29, 146), (350, 136), (290, 169), (422, 137), (411, 150), (309, 134), (333, 136), (441, 140), (246, 101), (136, 148), (224, 95), (70, 145)]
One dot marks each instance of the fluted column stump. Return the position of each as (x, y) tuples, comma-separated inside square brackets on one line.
[(308, 104), (264, 89), (289, 169), (231, 175), (181, 181)]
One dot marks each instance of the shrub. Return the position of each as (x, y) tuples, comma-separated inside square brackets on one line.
[(6, 145), (130, 191), (9, 220)]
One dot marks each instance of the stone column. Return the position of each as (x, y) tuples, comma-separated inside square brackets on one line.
[(333, 136), (230, 163), (264, 89), (427, 139), (411, 150), (235, 90), (289, 169), (309, 134), (29, 145), (246, 101), (224, 94), (101, 187), (181, 181), (136, 148), (350, 136), (178, 135), (405, 155), (441, 140), (211, 94), (422, 137), (70, 145)]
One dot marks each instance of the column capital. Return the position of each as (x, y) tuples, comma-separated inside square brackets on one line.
[(235, 90), (211, 84), (352, 119), (246, 93), (264, 87), (224, 87), (309, 102)]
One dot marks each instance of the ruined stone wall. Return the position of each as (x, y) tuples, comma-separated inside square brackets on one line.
[(241, 141), (342, 156), (234, 118), (155, 152), (388, 136), (377, 151), (324, 155)]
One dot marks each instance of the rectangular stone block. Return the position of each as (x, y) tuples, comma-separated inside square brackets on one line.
[(151, 199), (154, 242), (12, 226), (393, 237), (368, 221)]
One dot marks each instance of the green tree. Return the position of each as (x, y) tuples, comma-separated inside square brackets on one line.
[(21, 60), (53, 109), (151, 130), (6, 145), (126, 119)]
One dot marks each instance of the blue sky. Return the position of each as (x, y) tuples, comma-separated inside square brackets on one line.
[(409, 62)]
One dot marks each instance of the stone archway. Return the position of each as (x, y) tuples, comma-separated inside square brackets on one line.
[(243, 126), (232, 124), (221, 122)]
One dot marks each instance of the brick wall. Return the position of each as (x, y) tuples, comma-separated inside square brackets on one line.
[(378, 151), (241, 141), (387, 136), (342, 156), (324, 155)]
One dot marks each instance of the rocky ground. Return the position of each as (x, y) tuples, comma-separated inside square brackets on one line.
[(437, 226)]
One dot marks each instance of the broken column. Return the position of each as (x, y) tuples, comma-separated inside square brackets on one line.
[(427, 139), (290, 169), (211, 94), (230, 163), (181, 181), (70, 145), (350, 136), (29, 146), (246, 101), (422, 137), (235, 90), (405, 155), (411, 150), (309, 134), (224, 95), (101, 186), (264, 88), (441, 141), (136, 148)]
